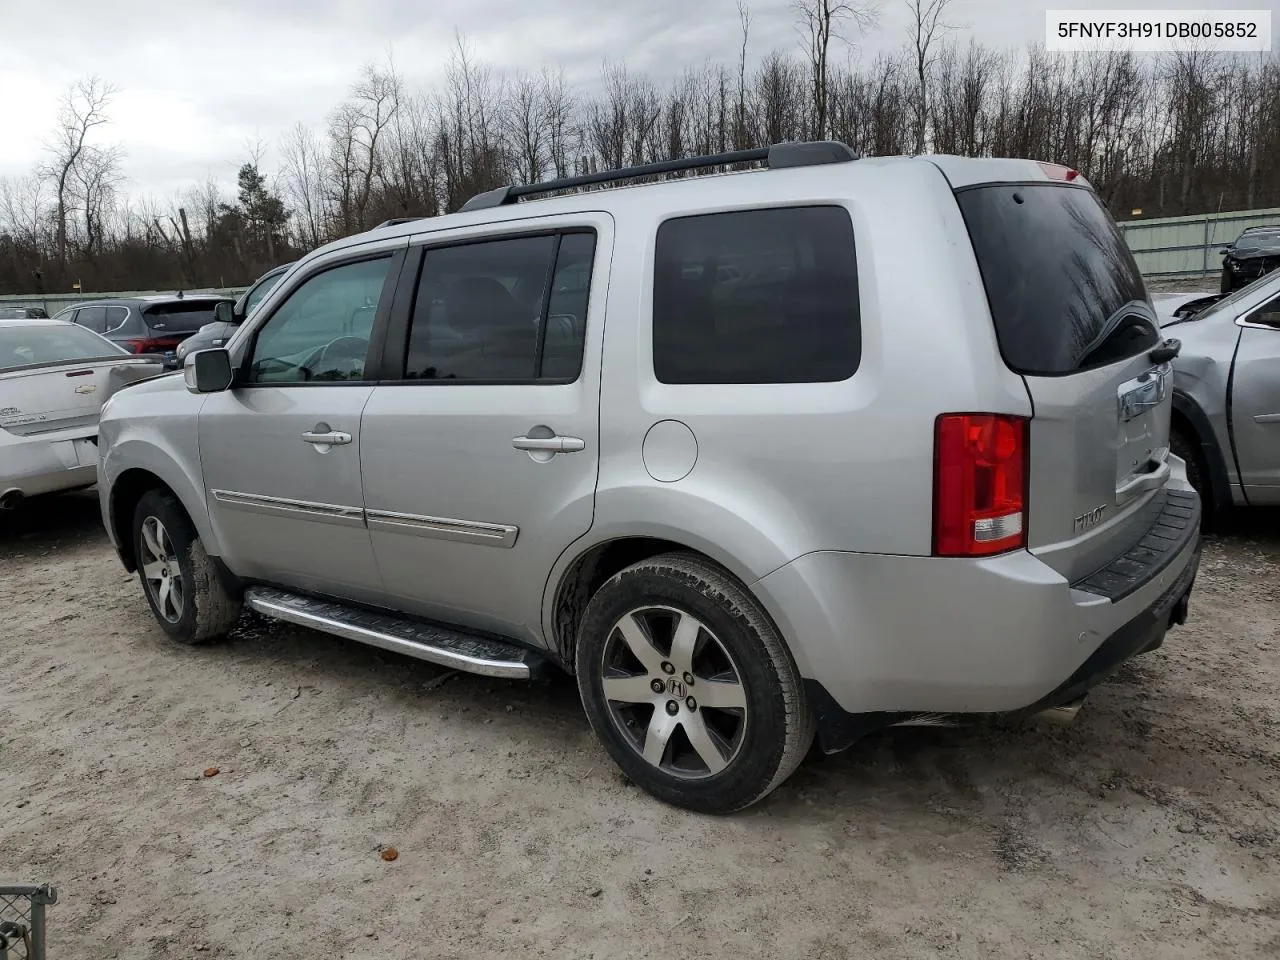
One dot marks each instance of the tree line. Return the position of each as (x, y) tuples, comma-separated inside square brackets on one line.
[(1170, 134)]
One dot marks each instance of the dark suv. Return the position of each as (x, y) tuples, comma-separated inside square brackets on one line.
[(1255, 252), (218, 332), (150, 324)]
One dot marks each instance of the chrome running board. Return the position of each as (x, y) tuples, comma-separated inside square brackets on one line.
[(435, 644)]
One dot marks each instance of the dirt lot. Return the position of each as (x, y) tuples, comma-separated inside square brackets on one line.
[(1150, 828)]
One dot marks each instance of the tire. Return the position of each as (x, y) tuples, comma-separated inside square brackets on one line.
[(760, 726), (196, 607), (1184, 446), (1227, 281)]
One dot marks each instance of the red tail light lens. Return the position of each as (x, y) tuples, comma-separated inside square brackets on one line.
[(145, 346), (1056, 171), (979, 484)]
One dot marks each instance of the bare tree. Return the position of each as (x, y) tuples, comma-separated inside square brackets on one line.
[(303, 182), (525, 125), (741, 136), (83, 108), (820, 21), (564, 135), (925, 27)]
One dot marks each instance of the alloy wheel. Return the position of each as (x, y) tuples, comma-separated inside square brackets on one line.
[(674, 692), (161, 570)]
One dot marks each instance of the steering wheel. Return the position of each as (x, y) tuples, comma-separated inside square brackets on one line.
[(331, 356)]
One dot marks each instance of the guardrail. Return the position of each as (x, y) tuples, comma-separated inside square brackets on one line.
[(53, 302)]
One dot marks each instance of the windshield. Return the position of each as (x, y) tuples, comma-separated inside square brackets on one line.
[(180, 316), (1261, 240), (27, 344)]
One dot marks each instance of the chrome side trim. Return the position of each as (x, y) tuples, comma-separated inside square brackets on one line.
[(509, 669), (442, 528), (334, 513)]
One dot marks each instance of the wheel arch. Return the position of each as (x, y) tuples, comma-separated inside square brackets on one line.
[(583, 570), (132, 468), (1188, 418)]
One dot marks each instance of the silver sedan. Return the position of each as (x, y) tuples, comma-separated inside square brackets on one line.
[(54, 379)]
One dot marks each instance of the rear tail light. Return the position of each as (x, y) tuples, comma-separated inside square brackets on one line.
[(979, 484), (144, 345), (1056, 171)]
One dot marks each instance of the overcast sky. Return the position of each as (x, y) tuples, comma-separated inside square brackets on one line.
[(197, 81)]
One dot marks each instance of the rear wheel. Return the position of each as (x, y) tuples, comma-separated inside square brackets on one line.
[(689, 686), (1182, 444), (188, 598)]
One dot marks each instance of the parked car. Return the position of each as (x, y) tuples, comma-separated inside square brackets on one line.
[(217, 333), (54, 377), (156, 323), (1255, 252), (1226, 402), (22, 312), (809, 491)]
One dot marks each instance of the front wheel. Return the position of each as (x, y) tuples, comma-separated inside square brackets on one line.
[(188, 598), (1227, 281), (689, 686)]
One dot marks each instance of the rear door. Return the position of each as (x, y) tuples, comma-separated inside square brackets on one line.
[(480, 447), (1071, 316)]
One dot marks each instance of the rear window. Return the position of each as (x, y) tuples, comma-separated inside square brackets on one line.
[(24, 345), (756, 296), (1058, 276), (181, 316)]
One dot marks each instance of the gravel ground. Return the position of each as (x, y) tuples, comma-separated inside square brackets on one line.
[(1149, 828)]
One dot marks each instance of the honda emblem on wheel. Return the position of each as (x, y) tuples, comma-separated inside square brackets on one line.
[(675, 688)]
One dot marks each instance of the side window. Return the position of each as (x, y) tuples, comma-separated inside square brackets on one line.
[(321, 332), (92, 318), (1267, 315), (484, 312), (68, 315), (757, 296), (117, 317)]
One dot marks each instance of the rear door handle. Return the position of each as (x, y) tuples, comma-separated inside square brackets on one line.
[(332, 438), (550, 444)]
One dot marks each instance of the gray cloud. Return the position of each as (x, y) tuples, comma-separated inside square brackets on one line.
[(196, 82)]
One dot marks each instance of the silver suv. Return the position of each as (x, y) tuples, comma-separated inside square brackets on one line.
[(831, 445)]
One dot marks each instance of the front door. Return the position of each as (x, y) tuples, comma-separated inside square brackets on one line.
[(1255, 404), (280, 450), (480, 461)]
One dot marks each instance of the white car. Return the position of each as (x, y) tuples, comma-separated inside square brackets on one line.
[(54, 378)]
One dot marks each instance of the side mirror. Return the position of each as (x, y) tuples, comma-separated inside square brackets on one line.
[(208, 371), (224, 311), (1223, 251)]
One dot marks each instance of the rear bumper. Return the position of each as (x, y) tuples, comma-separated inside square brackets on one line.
[(37, 465), (881, 638)]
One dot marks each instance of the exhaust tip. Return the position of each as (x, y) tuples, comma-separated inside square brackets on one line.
[(10, 499), (1062, 715)]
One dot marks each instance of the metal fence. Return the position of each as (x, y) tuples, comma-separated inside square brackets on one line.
[(1188, 246), (22, 921), (53, 302)]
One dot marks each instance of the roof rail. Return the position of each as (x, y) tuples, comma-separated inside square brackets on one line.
[(776, 157), (396, 220)]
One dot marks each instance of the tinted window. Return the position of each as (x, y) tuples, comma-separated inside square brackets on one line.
[(479, 310), (321, 332), (117, 317), (761, 296), (93, 318), (1267, 315), (23, 345), (179, 316), (1058, 275)]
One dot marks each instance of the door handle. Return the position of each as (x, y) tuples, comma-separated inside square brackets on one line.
[(549, 444), (332, 438)]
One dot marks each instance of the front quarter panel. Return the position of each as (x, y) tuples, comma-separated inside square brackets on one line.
[(152, 427), (1202, 374)]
